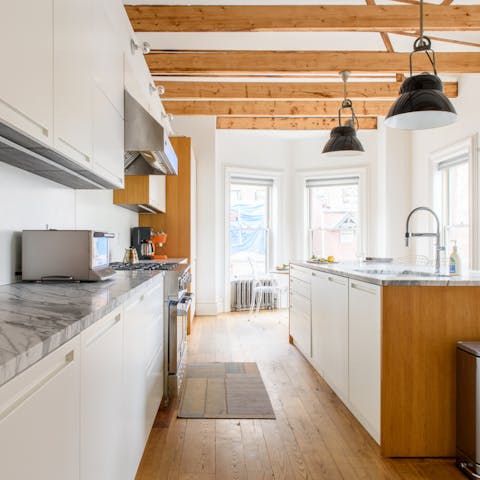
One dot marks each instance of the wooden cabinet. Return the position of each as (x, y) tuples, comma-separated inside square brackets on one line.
[(300, 309), (329, 303), (143, 193), (26, 102), (73, 79), (364, 313), (179, 221), (143, 387), (40, 418), (102, 442)]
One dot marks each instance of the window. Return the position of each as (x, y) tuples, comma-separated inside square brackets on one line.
[(334, 217), (453, 199), (250, 223)]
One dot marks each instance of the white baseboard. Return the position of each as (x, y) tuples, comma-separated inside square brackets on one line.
[(206, 309)]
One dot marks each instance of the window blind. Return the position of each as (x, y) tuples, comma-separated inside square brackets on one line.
[(330, 181), (457, 159), (264, 182)]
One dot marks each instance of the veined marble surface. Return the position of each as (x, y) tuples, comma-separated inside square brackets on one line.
[(36, 318), (395, 274)]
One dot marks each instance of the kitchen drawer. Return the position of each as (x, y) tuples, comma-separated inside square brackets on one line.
[(301, 273), (300, 303), (300, 287)]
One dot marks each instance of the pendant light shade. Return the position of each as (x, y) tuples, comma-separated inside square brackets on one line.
[(422, 103), (343, 141)]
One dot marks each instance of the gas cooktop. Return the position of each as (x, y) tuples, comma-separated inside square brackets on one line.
[(143, 266)]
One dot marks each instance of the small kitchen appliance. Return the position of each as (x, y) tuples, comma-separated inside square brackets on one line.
[(65, 255)]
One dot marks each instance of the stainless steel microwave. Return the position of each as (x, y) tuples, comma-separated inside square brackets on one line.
[(79, 255)]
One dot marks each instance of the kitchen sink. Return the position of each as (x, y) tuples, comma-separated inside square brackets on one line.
[(400, 273)]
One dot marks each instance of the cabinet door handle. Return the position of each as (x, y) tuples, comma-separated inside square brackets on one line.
[(61, 365), (104, 330), (334, 280), (362, 288)]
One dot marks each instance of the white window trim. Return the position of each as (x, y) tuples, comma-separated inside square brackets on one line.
[(302, 193), (471, 145), (274, 205)]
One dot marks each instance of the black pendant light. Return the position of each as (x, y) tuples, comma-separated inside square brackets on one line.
[(343, 139), (422, 103)]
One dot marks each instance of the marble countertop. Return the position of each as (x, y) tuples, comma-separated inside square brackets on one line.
[(37, 318), (391, 274)]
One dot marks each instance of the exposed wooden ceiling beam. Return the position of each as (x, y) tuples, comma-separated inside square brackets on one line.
[(241, 62), (371, 108), (288, 123), (286, 90), (440, 39), (300, 18), (385, 38)]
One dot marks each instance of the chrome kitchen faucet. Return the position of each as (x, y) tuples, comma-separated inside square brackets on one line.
[(438, 247)]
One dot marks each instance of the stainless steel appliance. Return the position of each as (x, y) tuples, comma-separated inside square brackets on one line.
[(468, 408), (148, 150), (177, 302), (78, 255), (140, 236)]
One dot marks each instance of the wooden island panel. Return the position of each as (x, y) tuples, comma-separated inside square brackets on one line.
[(420, 328)]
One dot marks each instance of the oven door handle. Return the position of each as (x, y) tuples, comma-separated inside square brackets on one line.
[(184, 305)]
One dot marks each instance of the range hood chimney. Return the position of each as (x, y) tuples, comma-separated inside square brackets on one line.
[(148, 150)]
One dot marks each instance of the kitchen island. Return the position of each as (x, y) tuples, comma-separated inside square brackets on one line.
[(82, 375), (384, 337)]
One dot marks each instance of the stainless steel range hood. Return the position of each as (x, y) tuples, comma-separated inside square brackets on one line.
[(148, 150)]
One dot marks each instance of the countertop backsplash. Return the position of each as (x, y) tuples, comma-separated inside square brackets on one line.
[(32, 202)]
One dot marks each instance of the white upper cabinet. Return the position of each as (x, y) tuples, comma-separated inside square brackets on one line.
[(26, 82), (73, 79), (108, 56), (108, 146)]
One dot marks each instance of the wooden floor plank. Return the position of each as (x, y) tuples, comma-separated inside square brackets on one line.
[(314, 436), (229, 454)]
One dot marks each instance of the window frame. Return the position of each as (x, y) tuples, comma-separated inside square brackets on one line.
[(277, 216), (468, 146), (268, 226)]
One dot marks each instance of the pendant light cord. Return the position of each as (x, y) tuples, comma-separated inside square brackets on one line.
[(347, 103)]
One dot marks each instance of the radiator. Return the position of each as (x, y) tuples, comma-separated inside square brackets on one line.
[(241, 295)]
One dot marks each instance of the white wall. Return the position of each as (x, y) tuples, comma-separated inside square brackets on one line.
[(31, 202), (287, 155)]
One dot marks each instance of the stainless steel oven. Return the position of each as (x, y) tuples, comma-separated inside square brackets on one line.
[(177, 341)]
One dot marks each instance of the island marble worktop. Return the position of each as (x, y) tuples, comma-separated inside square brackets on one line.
[(37, 318), (359, 271)]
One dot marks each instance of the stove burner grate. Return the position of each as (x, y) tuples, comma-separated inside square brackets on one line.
[(143, 266)]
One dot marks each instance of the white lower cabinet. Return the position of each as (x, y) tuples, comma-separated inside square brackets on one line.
[(40, 418), (85, 411), (101, 450), (143, 386), (337, 326), (330, 330), (364, 354), (300, 309)]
